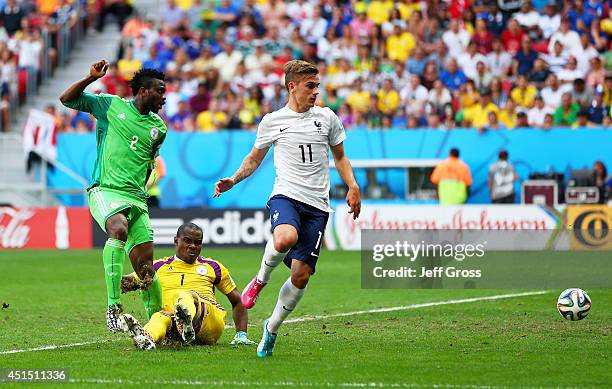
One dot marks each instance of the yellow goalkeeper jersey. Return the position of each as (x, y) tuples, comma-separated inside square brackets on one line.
[(201, 277)]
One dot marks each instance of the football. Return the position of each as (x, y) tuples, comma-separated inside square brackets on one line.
[(574, 304)]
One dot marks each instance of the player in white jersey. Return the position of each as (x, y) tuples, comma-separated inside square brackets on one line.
[(302, 135)]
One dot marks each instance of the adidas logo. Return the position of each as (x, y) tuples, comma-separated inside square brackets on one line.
[(121, 116)]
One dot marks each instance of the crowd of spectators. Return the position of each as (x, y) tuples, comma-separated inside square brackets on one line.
[(22, 47), (485, 64)]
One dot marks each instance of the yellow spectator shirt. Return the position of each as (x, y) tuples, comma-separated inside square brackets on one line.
[(359, 101), (379, 11), (207, 121), (184, 4), (508, 119), (388, 101), (406, 10), (362, 67), (524, 98), (400, 46), (478, 115), (127, 67)]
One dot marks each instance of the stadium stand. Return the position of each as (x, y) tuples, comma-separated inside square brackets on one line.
[(228, 56), (35, 38), (42, 45), (406, 65)]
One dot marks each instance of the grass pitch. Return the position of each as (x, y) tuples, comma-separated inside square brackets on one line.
[(57, 298)]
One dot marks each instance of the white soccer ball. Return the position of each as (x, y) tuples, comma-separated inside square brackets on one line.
[(574, 304)]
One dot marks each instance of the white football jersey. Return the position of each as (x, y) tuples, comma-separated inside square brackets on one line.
[(301, 152)]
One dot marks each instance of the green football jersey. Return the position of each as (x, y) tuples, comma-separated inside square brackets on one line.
[(127, 142)]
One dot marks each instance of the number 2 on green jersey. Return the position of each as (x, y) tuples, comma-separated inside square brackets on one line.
[(133, 143)]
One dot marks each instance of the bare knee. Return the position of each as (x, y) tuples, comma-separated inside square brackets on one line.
[(283, 244), (117, 227), (284, 240)]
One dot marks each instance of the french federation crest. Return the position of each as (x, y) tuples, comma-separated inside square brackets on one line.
[(154, 133), (201, 270)]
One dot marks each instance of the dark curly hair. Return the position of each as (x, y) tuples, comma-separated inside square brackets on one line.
[(143, 78), (190, 226)]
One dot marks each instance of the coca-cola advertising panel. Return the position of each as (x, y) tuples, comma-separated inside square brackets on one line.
[(222, 227), (344, 233), (45, 228)]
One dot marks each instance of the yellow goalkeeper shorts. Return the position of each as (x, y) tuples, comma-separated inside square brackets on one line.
[(209, 322)]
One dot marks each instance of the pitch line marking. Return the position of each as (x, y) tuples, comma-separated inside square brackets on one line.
[(317, 317), (416, 306), (54, 347), (222, 383)]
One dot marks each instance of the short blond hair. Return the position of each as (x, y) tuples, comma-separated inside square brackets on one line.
[(296, 70)]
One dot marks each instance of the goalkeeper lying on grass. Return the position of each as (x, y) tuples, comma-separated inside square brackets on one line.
[(188, 298)]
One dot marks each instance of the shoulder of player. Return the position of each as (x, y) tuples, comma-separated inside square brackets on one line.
[(108, 96), (113, 100), (158, 121), (162, 261), (321, 110), (209, 260), (267, 117), (212, 263), (326, 112), (267, 120), (279, 113)]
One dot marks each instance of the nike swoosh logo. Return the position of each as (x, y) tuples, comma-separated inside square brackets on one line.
[(283, 129), (314, 255), (287, 309)]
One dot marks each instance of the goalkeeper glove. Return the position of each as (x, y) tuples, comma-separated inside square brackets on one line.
[(241, 338)]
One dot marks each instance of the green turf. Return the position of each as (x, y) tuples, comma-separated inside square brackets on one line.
[(58, 298)]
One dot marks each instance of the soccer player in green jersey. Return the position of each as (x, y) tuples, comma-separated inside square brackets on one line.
[(129, 134)]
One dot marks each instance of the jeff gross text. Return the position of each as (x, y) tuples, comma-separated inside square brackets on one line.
[(404, 259)]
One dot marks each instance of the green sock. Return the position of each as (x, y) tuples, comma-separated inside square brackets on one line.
[(113, 257), (152, 297)]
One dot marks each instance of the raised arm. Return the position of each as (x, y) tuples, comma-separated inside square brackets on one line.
[(74, 91), (250, 163), (353, 197)]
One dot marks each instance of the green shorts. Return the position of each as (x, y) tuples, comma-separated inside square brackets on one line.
[(105, 202)]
